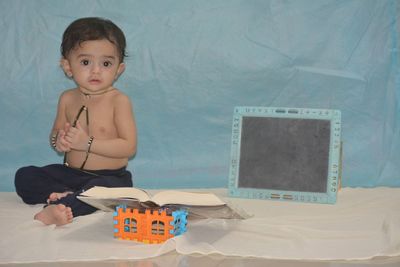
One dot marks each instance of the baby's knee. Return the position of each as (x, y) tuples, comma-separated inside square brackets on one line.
[(21, 176), (23, 181)]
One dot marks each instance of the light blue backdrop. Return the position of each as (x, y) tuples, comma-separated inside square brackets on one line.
[(191, 62)]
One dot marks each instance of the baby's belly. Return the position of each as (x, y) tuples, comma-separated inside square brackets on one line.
[(75, 159)]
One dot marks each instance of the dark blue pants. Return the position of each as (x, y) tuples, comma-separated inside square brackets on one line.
[(35, 184)]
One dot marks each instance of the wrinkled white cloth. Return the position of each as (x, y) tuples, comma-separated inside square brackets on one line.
[(364, 223)]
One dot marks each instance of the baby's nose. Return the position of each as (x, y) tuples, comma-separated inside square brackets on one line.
[(95, 68)]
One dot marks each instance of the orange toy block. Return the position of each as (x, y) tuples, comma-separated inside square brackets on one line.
[(150, 226)]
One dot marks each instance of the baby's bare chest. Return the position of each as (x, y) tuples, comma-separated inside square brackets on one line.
[(96, 119)]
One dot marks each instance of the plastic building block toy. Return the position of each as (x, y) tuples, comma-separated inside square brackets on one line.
[(149, 226)]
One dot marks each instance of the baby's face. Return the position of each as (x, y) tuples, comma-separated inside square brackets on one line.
[(94, 65)]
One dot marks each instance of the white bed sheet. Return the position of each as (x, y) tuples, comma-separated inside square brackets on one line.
[(364, 223)]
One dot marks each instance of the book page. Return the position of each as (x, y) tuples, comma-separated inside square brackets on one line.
[(116, 192), (186, 198), (109, 204)]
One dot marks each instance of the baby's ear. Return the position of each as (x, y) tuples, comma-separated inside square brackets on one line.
[(121, 69), (64, 64)]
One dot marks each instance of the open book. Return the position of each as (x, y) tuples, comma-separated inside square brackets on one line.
[(199, 205)]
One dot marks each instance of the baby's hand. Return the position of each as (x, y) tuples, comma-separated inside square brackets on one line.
[(77, 137), (62, 145)]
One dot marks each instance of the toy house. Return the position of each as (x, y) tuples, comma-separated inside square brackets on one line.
[(148, 225)]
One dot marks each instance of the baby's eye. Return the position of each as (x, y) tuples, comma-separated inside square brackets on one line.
[(107, 64), (85, 62)]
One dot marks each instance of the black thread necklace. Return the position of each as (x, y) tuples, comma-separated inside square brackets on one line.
[(88, 95)]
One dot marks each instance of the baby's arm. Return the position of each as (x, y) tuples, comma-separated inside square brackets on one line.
[(60, 127), (125, 145)]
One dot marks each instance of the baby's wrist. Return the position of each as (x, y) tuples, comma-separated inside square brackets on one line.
[(54, 138), (89, 144)]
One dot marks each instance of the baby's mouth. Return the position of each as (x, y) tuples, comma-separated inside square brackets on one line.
[(94, 81)]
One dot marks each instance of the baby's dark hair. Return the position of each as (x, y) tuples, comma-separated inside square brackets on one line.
[(93, 28)]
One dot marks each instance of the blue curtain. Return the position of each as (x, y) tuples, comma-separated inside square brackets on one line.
[(191, 62)]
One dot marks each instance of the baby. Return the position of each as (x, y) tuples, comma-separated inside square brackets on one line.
[(94, 126)]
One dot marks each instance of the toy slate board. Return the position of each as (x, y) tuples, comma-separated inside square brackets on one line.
[(285, 154)]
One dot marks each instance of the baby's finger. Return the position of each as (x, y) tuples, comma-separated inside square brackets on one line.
[(67, 126), (72, 130), (67, 145), (68, 138)]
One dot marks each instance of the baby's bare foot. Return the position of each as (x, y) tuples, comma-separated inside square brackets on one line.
[(56, 196), (55, 214)]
